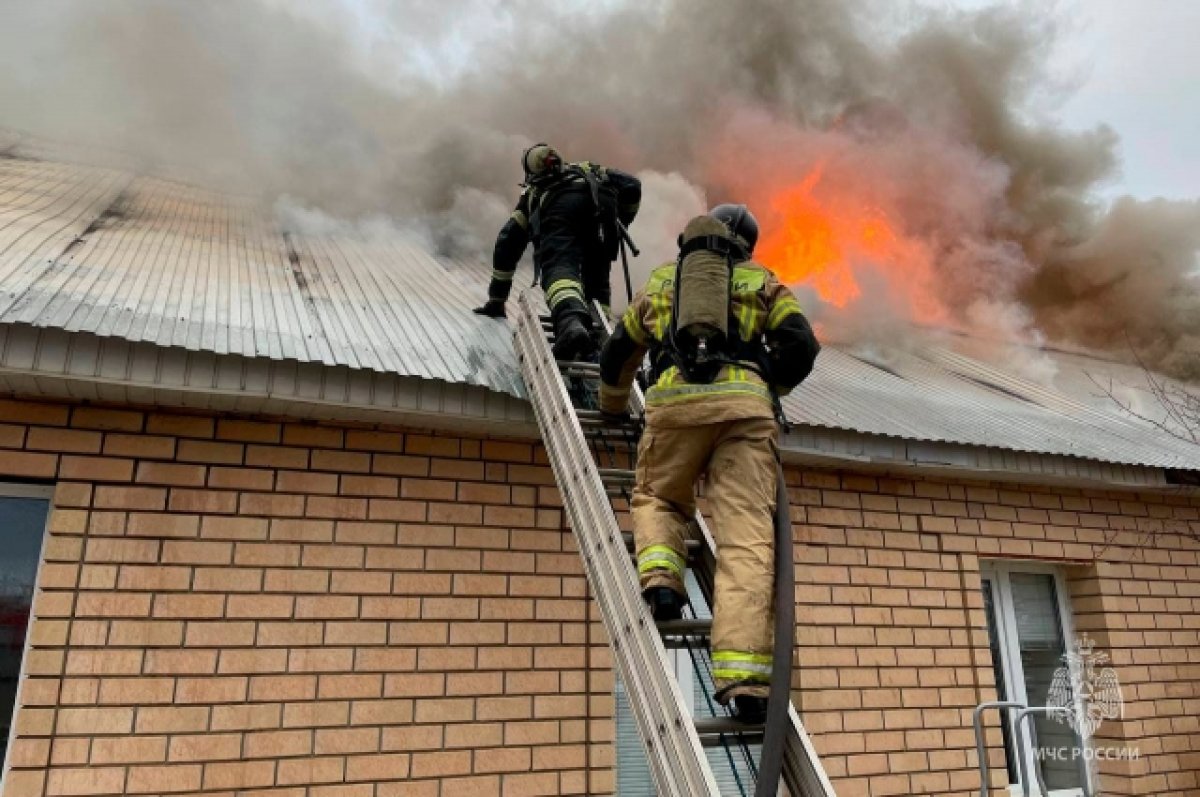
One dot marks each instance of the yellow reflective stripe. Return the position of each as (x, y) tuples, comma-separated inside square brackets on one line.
[(748, 280), (740, 665), (661, 279), (783, 308), (519, 218), (502, 276), (732, 674), (660, 557), (562, 290), (633, 326), (746, 318), (742, 656), (661, 302), (663, 394)]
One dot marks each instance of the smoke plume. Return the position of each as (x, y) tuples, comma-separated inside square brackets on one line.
[(891, 152)]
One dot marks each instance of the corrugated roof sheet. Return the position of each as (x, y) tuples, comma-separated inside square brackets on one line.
[(151, 261), (936, 394)]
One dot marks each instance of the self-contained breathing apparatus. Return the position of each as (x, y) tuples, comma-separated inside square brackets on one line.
[(703, 336)]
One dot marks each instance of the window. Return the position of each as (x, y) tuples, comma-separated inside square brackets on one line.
[(1029, 631), (23, 511), (633, 768), (733, 765)]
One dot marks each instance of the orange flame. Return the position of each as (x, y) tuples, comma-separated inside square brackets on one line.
[(816, 235)]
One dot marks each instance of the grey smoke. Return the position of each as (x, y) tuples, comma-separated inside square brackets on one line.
[(419, 115)]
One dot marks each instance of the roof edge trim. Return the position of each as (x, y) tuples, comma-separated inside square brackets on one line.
[(75, 366), (830, 448)]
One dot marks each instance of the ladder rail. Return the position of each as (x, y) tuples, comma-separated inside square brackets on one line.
[(678, 762), (803, 773)]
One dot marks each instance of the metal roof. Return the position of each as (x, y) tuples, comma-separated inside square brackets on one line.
[(934, 394), (92, 250), (149, 261)]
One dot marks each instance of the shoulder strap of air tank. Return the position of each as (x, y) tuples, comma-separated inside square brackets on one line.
[(715, 243)]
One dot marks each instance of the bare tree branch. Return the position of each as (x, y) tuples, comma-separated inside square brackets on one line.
[(1182, 421)]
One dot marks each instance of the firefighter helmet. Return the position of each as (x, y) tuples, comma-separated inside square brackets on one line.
[(740, 221), (540, 161)]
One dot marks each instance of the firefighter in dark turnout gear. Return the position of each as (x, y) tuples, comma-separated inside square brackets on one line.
[(712, 415), (574, 214)]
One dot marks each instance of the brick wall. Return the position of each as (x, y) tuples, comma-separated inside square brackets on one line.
[(235, 607), (297, 610), (892, 642)]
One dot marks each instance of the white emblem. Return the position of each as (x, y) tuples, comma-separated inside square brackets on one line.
[(1083, 674)]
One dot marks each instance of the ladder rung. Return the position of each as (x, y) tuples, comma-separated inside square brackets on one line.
[(696, 628), (614, 440), (620, 433), (681, 634), (693, 546), (595, 415), (711, 729), (617, 475), (591, 425)]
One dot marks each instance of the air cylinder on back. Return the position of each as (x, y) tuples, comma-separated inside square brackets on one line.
[(702, 308)]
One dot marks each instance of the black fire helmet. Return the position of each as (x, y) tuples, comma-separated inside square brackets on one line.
[(740, 221)]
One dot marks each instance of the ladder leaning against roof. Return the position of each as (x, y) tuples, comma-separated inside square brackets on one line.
[(675, 742)]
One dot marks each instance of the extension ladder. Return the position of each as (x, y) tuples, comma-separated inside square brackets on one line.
[(593, 459)]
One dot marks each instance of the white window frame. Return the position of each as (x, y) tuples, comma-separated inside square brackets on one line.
[(999, 572), (44, 492)]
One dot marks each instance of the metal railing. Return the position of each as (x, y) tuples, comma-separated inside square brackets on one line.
[(1023, 712)]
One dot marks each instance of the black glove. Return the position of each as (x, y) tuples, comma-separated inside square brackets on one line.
[(493, 309)]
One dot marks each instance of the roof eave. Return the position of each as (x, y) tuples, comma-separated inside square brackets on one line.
[(77, 366), (74, 366), (893, 456)]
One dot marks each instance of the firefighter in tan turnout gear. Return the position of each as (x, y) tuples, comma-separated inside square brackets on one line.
[(723, 334)]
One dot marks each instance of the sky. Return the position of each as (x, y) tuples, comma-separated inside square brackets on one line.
[(1131, 64), (1134, 65)]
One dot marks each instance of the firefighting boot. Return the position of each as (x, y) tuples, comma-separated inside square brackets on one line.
[(572, 341), (665, 603), (747, 699), (750, 709)]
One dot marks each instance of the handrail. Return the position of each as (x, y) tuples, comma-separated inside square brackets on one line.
[(985, 787)]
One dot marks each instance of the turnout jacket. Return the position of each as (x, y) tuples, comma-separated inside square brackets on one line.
[(561, 221), (767, 313)]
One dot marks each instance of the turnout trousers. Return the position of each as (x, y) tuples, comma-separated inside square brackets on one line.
[(738, 459), (574, 264)]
